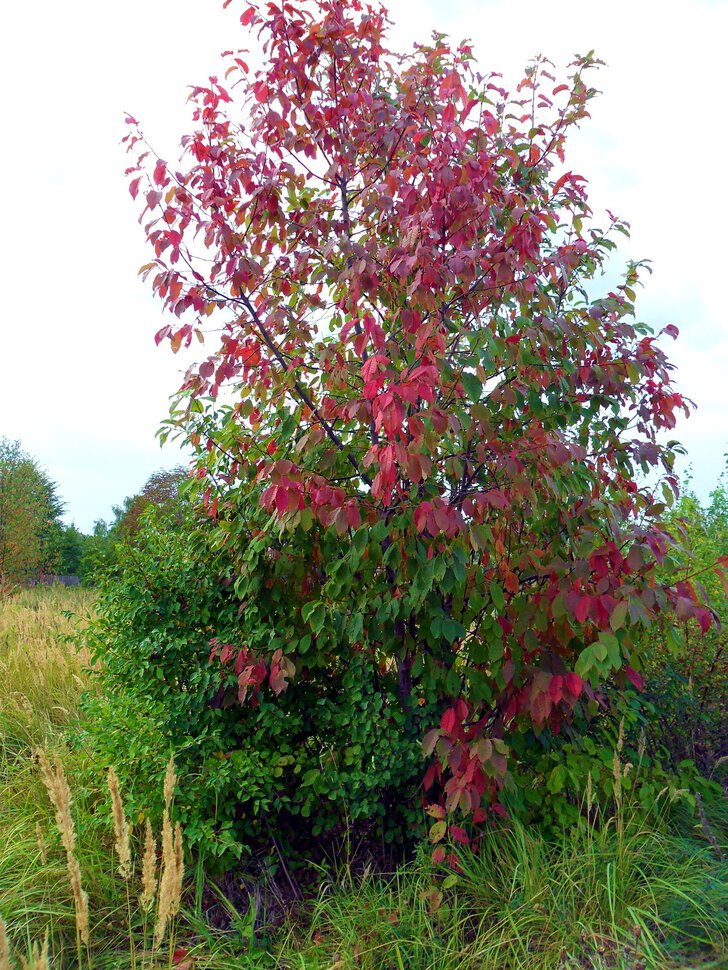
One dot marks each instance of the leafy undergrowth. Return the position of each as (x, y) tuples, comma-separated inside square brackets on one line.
[(628, 893)]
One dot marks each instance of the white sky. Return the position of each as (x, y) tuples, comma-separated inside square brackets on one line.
[(82, 384)]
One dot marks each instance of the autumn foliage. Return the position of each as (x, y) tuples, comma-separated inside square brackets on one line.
[(420, 423)]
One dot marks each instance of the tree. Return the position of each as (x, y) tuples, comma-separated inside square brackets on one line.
[(71, 545), (29, 516), (161, 491), (420, 435), (99, 552)]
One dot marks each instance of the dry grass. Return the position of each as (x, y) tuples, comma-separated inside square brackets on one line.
[(54, 779), (41, 672)]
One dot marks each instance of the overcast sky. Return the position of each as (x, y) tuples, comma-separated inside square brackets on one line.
[(82, 384)]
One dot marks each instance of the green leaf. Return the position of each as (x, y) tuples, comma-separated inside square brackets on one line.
[(437, 832), (452, 682), (611, 645), (473, 387), (452, 630), (356, 627), (556, 779), (496, 594), (619, 615), (585, 662), (359, 542), (315, 615)]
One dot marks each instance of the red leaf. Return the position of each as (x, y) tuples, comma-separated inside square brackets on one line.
[(556, 688), (461, 710), (421, 513), (635, 679), (429, 741), (160, 173), (438, 855), (460, 835), (134, 187), (447, 721), (704, 619), (574, 684), (581, 610)]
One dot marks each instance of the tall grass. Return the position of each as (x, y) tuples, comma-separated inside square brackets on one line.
[(41, 671), (653, 901)]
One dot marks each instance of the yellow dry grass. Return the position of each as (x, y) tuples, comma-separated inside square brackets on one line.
[(41, 671)]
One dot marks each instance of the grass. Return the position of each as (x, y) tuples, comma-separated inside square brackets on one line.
[(647, 900), (41, 672), (628, 894)]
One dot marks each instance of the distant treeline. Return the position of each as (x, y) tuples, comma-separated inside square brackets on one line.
[(37, 548)]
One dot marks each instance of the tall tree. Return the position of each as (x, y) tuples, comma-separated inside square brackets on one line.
[(161, 491), (29, 515), (428, 446)]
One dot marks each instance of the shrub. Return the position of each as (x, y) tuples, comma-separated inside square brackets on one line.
[(420, 435), (558, 775), (687, 674), (329, 755)]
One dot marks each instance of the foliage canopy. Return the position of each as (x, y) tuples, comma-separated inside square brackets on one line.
[(420, 436)]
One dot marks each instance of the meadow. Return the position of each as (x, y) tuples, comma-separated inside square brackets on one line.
[(635, 890)]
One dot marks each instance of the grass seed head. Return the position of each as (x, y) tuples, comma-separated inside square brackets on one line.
[(56, 784), (40, 955), (54, 779), (80, 899), (170, 780), (589, 796), (121, 827), (179, 871), (4, 947), (167, 880), (41, 843), (149, 869), (617, 771)]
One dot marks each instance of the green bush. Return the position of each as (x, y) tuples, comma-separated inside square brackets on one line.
[(687, 678), (331, 754), (558, 775)]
